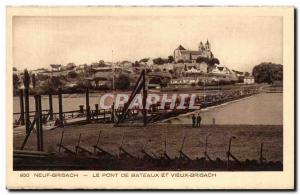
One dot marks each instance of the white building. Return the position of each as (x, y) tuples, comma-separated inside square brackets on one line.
[(249, 80), (184, 81), (221, 69)]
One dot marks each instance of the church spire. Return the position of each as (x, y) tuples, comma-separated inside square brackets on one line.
[(207, 45), (201, 46)]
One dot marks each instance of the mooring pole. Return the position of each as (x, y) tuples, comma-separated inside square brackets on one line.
[(81, 109), (206, 138), (61, 139), (97, 110), (206, 145), (229, 152), (22, 107), (41, 124), (78, 143), (113, 112), (60, 107), (104, 115), (27, 119), (261, 158), (87, 105), (144, 99), (50, 107), (37, 123)]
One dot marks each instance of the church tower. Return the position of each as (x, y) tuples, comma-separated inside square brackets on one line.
[(207, 45), (201, 46)]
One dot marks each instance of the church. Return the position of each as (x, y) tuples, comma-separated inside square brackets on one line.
[(181, 54)]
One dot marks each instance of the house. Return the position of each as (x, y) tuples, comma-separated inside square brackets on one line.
[(249, 80), (153, 86), (40, 71), (221, 69), (184, 81)]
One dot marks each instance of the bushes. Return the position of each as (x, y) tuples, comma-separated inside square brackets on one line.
[(160, 61), (215, 83), (209, 61), (122, 82)]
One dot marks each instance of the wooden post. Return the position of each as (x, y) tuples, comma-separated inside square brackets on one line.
[(87, 104), (41, 141), (61, 139), (37, 117), (60, 108), (81, 109), (165, 149), (96, 110), (206, 138), (50, 107), (213, 121), (144, 99), (229, 152), (205, 152), (22, 120), (77, 146), (113, 112), (261, 158), (27, 118), (104, 117)]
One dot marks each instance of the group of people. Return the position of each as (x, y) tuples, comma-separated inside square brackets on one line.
[(196, 120)]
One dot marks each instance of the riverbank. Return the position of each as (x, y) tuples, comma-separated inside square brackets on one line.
[(245, 147)]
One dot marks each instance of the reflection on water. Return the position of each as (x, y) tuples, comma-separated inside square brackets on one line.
[(263, 109), (71, 102)]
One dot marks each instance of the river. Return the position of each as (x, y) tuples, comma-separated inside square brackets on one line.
[(263, 108), (260, 109)]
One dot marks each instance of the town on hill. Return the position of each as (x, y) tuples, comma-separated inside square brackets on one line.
[(189, 69)]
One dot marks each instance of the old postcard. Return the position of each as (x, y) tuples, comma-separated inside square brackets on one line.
[(150, 98)]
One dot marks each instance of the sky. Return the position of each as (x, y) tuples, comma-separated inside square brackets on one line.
[(239, 43)]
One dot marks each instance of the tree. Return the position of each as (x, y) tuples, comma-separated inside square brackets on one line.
[(33, 80), (209, 61), (16, 81), (160, 61), (55, 82), (170, 59), (171, 72), (136, 64), (122, 82), (202, 59), (26, 79), (185, 68), (70, 66), (156, 70), (72, 74), (247, 74), (214, 61), (267, 72), (144, 60), (102, 63), (155, 80), (55, 66), (43, 77)]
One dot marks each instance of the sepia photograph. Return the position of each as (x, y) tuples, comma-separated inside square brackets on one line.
[(183, 90)]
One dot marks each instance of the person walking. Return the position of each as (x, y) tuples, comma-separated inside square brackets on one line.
[(194, 120), (198, 120)]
